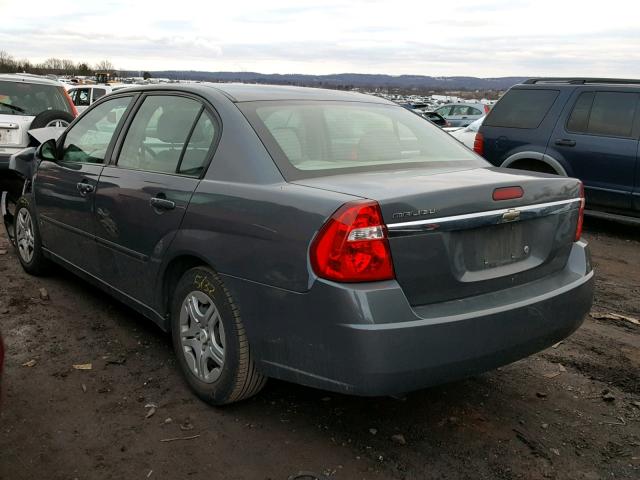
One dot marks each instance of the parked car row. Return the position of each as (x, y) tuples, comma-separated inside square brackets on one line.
[(327, 238)]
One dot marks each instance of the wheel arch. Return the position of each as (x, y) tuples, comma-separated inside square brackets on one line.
[(169, 277), (542, 158)]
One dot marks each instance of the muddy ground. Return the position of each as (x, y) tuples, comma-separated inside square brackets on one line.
[(571, 412)]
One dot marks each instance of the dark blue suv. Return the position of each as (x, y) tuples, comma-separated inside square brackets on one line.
[(579, 127)]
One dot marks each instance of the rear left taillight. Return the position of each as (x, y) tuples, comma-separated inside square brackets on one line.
[(580, 214), (74, 110), (352, 245), (478, 144)]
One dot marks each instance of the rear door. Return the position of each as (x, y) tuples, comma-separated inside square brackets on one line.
[(64, 190), (598, 138), (143, 195)]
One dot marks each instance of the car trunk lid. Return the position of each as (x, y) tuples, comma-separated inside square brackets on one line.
[(450, 239)]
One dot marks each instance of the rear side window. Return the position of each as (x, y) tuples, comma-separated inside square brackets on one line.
[(169, 134), (200, 143), (98, 93), (520, 108), (21, 98), (604, 113)]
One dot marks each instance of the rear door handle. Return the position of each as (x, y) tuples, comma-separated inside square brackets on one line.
[(84, 188), (565, 142), (160, 203)]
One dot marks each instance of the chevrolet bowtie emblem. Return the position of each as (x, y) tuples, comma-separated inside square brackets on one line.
[(511, 215)]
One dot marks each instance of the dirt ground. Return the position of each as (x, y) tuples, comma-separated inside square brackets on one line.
[(571, 412)]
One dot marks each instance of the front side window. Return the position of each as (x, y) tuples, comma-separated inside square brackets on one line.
[(522, 108), (321, 138), (87, 141), (83, 97), (158, 134)]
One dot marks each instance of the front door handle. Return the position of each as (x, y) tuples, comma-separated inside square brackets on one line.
[(565, 142), (160, 203), (84, 188)]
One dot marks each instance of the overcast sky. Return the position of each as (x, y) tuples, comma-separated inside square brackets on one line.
[(483, 38)]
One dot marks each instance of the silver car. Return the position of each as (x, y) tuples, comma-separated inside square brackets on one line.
[(462, 114)]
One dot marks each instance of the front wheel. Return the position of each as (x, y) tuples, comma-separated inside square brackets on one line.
[(27, 238), (210, 340)]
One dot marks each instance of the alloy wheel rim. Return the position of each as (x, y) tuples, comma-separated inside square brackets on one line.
[(202, 336), (58, 123), (24, 235)]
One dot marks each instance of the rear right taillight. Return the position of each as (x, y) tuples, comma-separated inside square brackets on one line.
[(352, 245), (580, 214), (478, 144)]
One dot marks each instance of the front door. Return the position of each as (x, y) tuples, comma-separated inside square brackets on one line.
[(599, 140), (65, 190), (142, 197)]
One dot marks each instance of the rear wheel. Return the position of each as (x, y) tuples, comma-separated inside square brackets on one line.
[(210, 340), (27, 238)]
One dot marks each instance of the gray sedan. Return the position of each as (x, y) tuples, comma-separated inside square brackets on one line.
[(326, 238)]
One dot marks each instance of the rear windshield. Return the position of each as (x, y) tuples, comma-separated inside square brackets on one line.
[(520, 108), (310, 139), (19, 98)]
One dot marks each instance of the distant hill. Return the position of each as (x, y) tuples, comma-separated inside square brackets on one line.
[(345, 80)]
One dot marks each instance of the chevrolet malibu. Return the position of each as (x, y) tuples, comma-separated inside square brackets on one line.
[(326, 238)]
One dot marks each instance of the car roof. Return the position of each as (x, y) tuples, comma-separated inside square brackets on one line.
[(241, 92), (75, 86), (28, 78), (471, 104)]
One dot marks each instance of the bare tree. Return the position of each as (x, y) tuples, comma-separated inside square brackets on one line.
[(68, 66), (104, 66)]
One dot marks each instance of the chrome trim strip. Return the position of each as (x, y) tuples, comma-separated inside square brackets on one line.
[(478, 219)]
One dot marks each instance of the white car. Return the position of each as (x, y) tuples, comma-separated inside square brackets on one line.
[(466, 135), (29, 102), (85, 95)]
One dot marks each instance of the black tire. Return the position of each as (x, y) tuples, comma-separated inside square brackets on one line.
[(238, 378), (37, 264), (45, 118)]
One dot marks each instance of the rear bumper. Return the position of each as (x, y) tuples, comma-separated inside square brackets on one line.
[(368, 340)]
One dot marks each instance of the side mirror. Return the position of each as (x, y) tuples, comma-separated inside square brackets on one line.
[(48, 151), (112, 117)]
